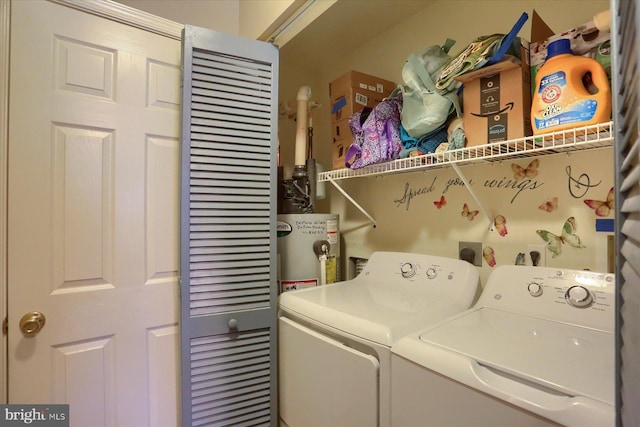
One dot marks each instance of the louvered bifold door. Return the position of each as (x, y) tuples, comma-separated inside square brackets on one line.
[(228, 244), (625, 20)]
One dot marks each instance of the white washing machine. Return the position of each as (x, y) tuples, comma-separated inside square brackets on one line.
[(334, 340), (537, 349)]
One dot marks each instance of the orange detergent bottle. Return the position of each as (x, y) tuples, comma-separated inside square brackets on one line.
[(571, 91)]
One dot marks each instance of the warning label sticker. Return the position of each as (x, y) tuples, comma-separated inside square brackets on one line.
[(292, 285)]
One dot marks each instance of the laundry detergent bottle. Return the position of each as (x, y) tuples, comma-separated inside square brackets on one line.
[(571, 91)]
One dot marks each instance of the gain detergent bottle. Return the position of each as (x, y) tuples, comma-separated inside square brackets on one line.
[(571, 91)]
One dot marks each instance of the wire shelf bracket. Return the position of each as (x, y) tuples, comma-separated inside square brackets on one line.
[(349, 198), (578, 139)]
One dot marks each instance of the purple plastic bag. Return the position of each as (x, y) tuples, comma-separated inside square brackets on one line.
[(377, 139)]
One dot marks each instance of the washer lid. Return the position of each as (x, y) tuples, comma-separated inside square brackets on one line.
[(379, 312), (574, 360)]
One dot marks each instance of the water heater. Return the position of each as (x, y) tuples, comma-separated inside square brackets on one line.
[(308, 250)]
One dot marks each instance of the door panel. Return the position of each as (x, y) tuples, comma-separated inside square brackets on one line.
[(93, 216), (228, 255)]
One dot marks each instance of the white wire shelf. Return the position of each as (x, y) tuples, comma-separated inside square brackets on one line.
[(582, 138)]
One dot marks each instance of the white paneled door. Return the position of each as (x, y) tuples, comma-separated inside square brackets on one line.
[(93, 208)]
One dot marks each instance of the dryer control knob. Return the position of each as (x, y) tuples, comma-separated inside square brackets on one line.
[(408, 270), (579, 296), (432, 273), (535, 290)]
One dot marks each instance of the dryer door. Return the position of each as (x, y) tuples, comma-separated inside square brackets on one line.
[(323, 382)]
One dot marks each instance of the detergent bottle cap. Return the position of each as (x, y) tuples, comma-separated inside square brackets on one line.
[(559, 47)]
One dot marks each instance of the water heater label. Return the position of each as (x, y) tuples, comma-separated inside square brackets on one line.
[(283, 228), (311, 227), (331, 269), (292, 285), (332, 231)]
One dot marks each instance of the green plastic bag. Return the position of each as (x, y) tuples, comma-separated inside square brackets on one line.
[(425, 108)]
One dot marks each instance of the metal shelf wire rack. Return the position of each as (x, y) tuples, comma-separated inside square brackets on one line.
[(582, 138)]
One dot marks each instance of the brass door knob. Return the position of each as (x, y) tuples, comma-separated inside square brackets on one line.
[(32, 323)]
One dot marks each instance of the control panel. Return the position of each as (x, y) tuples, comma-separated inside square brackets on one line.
[(581, 297), (418, 270), (409, 270), (427, 269)]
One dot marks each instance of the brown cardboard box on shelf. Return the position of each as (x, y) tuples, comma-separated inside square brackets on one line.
[(497, 101), (355, 90), (341, 130), (341, 140), (339, 151), (586, 40)]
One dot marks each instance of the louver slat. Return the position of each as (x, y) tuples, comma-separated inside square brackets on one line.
[(629, 161), (225, 282), (226, 272), (206, 105), (238, 198), (220, 263), (631, 252), (232, 172), (633, 176), (250, 138), (222, 242), (228, 286), (213, 175), (226, 150), (228, 226), (228, 142), (197, 252), (255, 280), (230, 376), (229, 190), (631, 203), (251, 162), (224, 123)]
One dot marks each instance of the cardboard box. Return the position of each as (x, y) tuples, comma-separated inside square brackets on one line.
[(341, 130), (355, 90), (339, 151), (586, 40), (497, 101)]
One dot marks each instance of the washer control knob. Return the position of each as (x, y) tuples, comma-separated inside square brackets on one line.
[(432, 273), (579, 296), (535, 290), (408, 270)]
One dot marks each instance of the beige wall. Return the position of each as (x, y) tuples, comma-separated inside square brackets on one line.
[(422, 227), (258, 15), (247, 18), (218, 15)]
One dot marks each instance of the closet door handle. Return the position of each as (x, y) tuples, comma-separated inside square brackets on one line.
[(32, 323)]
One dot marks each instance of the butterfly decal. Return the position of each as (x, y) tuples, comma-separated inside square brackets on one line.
[(550, 205), (469, 214), (501, 225), (531, 171), (602, 207), (488, 255), (568, 236), (441, 203)]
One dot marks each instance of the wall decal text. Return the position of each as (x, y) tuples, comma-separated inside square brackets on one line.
[(410, 193)]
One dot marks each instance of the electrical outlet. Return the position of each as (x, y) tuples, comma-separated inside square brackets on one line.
[(476, 247), (541, 249)]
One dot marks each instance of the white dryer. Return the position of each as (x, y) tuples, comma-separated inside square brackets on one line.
[(537, 349), (334, 341)]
